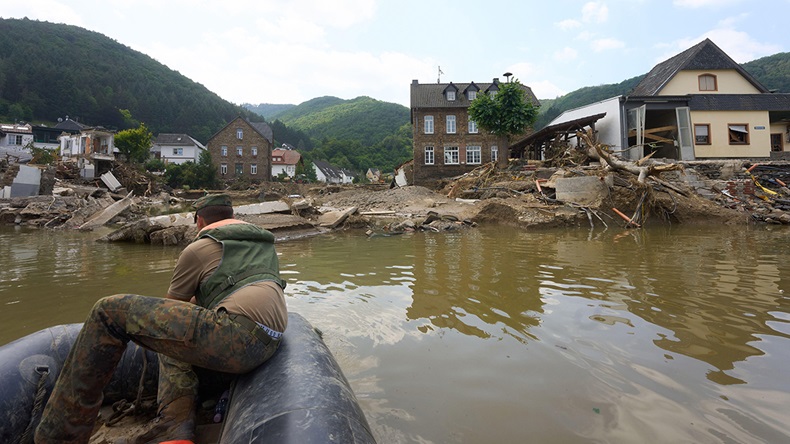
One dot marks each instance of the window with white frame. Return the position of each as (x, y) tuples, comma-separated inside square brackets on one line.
[(471, 94), (178, 151), (239, 133), (450, 120), (239, 169), (429, 155), (450, 95), (473, 156), (428, 124), (224, 151), (239, 151), (472, 126), (254, 151), (254, 168), (223, 168), (15, 139), (451, 155), (494, 153)]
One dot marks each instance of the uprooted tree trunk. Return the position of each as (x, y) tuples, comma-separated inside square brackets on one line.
[(638, 168), (643, 168)]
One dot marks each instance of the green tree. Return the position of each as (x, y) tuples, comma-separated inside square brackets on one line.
[(508, 113), (135, 144), (206, 172)]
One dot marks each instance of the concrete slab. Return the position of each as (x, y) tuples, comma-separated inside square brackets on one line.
[(27, 182), (583, 190), (334, 218), (277, 206), (108, 213)]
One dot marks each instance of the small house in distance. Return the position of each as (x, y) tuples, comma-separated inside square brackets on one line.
[(328, 173), (176, 148), (284, 161)]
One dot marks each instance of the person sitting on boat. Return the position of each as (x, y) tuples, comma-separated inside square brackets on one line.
[(225, 311)]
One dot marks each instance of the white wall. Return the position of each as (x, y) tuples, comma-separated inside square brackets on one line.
[(608, 127)]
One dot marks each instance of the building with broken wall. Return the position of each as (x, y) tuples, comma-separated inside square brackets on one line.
[(699, 104)]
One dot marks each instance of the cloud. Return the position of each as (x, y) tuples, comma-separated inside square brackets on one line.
[(565, 54), (545, 89), (45, 10), (695, 4), (595, 12), (606, 44), (568, 24)]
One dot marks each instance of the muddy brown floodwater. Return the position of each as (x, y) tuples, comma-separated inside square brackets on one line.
[(667, 334)]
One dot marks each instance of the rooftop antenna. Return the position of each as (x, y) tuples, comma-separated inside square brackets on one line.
[(439, 78), (508, 75)]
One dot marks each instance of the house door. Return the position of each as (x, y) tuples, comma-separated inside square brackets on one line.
[(684, 133), (636, 123), (776, 142)]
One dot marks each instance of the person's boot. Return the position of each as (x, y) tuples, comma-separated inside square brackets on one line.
[(176, 421)]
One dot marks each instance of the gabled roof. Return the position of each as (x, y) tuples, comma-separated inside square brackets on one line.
[(328, 170), (289, 157), (177, 139), (261, 128), (431, 95), (702, 56), (70, 125)]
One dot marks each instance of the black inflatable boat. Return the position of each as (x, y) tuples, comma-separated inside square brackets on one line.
[(298, 396)]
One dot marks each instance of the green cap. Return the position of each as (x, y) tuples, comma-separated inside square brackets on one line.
[(211, 200)]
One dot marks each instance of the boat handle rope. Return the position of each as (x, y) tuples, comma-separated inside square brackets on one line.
[(38, 404), (124, 408)]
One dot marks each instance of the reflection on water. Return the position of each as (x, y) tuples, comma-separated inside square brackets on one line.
[(498, 335)]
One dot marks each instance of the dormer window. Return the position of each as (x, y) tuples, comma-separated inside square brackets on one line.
[(450, 92), (471, 91), (707, 82)]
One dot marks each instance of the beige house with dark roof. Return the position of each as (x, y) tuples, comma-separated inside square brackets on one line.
[(446, 142), (243, 149), (699, 104)]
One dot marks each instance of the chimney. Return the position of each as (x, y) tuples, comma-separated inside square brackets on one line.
[(496, 80)]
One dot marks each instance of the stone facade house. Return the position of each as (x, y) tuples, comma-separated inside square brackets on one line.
[(446, 142), (243, 149)]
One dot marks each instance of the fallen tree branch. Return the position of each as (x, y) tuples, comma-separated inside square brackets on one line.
[(597, 151)]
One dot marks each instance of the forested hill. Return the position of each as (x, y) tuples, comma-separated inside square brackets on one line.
[(52, 70), (772, 71), (365, 119)]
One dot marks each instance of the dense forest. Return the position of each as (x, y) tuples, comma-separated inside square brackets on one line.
[(355, 134), (49, 71)]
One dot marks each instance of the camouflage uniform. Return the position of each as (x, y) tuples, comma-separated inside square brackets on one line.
[(207, 339), (184, 334)]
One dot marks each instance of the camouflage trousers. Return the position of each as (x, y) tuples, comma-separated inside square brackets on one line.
[(183, 334)]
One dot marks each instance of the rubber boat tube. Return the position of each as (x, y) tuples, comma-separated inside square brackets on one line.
[(298, 396)]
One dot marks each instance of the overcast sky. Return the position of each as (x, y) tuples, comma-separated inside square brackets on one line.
[(290, 51)]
